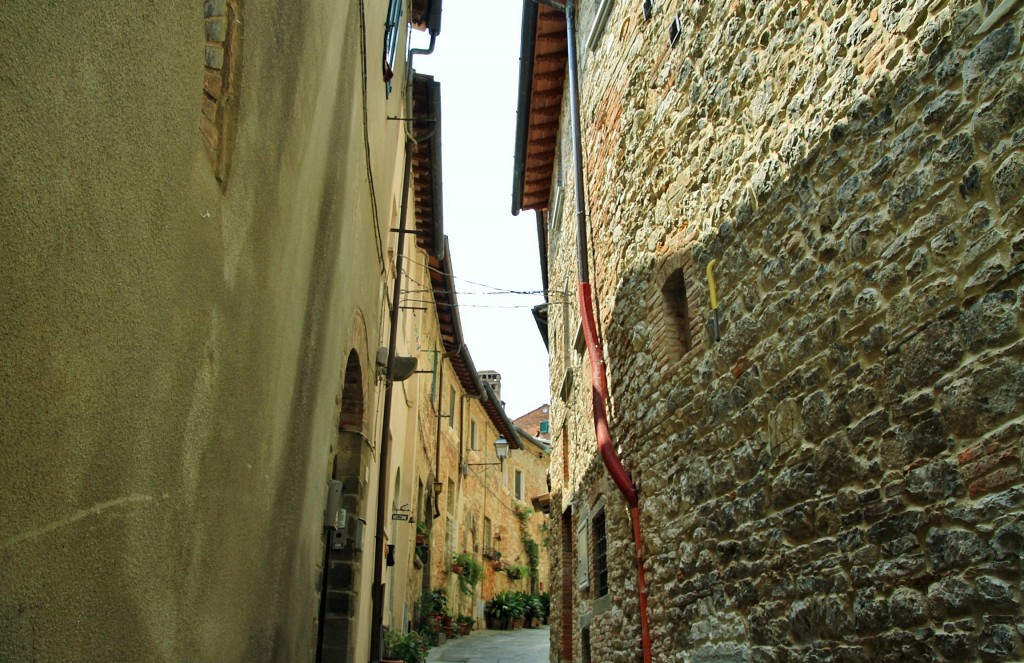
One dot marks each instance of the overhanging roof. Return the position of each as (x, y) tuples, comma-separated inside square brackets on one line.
[(539, 442), (426, 166), (542, 59), (442, 282)]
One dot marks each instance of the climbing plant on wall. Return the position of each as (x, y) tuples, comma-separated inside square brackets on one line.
[(523, 513)]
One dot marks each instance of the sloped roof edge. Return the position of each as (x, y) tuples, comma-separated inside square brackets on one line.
[(528, 43), (427, 170), (455, 349)]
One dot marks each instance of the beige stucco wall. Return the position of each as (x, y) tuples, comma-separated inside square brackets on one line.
[(173, 355)]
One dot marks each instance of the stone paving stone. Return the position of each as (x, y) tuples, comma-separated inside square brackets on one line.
[(528, 645)]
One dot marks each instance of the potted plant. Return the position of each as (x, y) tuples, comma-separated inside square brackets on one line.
[(503, 610), (545, 602), (422, 534), (518, 601), (404, 647), (465, 623), (432, 608), (438, 601), (456, 566), (448, 624), (517, 572), (533, 610), (471, 573)]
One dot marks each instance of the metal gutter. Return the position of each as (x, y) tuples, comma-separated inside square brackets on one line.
[(598, 378), (544, 445)]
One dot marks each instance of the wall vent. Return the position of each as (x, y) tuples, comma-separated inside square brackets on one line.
[(674, 31)]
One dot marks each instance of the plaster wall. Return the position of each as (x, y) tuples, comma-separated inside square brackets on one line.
[(174, 352)]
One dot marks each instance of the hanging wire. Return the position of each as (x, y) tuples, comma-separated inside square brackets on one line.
[(495, 289)]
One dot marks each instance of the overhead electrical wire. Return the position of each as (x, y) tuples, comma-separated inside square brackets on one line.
[(499, 306), (495, 290)]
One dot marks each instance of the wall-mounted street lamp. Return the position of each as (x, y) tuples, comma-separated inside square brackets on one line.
[(500, 450)]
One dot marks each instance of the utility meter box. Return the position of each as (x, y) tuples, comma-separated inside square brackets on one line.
[(337, 538)]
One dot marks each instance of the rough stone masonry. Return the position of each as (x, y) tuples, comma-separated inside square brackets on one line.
[(839, 478)]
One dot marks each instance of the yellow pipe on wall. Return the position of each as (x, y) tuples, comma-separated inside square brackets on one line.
[(711, 285)]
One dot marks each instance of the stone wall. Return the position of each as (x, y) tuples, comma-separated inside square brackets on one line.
[(839, 477)]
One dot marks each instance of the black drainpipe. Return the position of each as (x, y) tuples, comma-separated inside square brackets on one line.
[(377, 591)]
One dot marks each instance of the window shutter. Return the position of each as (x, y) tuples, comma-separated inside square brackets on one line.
[(582, 550)]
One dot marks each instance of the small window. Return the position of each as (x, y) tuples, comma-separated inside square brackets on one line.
[(581, 344), (519, 485), (600, 554), (677, 308), (391, 29), (472, 434), (488, 544), (545, 427)]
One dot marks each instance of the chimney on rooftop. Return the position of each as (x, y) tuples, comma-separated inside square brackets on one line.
[(493, 378)]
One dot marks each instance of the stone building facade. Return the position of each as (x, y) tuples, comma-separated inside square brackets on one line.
[(838, 475)]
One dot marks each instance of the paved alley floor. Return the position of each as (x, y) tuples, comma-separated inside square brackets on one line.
[(525, 645)]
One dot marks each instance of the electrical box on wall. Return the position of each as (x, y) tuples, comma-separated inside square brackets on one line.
[(337, 539), (357, 539), (334, 515)]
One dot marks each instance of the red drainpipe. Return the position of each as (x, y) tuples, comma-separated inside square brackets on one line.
[(598, 380)]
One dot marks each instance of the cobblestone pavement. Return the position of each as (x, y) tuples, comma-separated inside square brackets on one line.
[(528, 645)]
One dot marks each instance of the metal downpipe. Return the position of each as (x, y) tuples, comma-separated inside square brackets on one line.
[(377, 592), (599, 383), (377, 588)]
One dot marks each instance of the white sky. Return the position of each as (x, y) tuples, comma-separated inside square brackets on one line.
[(476, 60)]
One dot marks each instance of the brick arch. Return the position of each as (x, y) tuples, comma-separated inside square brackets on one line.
[(352, 399), (339, 600)]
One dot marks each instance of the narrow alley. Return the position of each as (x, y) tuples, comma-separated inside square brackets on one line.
[(743, 282), (521, 646)]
